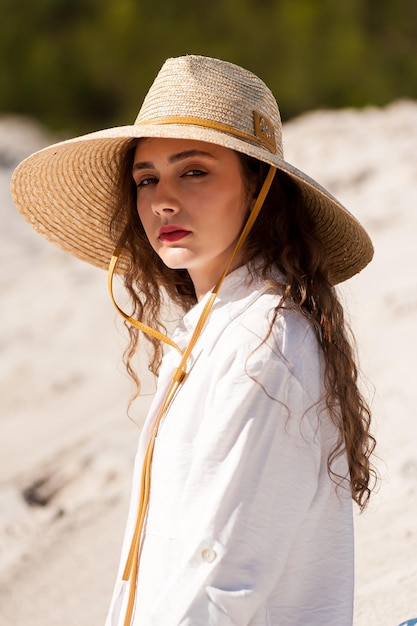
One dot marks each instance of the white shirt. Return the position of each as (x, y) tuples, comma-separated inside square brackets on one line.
[(244, 526)]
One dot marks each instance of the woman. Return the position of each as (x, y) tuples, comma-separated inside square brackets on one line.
[(257, 440)]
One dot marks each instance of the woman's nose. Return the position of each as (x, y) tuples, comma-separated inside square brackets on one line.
[(164, 200)]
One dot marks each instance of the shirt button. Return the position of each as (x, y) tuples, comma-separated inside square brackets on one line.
[(208, 555)]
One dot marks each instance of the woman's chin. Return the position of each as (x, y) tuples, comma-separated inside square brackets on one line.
[(176, 259)]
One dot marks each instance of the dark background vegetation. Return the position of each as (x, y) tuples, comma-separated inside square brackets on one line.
[(80, 65)]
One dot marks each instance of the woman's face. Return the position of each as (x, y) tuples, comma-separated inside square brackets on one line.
[(192, 202)]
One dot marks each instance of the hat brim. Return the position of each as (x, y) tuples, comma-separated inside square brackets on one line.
[(68, 193)]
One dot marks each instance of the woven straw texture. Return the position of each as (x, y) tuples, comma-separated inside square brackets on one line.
[(68, 191)]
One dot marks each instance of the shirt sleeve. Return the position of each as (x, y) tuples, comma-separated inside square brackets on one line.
[(253, 475)]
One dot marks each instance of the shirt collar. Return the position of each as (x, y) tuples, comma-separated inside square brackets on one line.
[(239, 289)]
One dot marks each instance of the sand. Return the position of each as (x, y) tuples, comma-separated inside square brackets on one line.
[(67, 445)]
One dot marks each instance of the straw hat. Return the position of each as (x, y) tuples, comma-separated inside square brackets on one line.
[(68, 191)]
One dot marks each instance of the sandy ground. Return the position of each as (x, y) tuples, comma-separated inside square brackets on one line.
[(66, 444)]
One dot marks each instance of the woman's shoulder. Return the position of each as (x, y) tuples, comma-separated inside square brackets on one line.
[(250, 318), (269, 344), (259, 321), (267, 316)]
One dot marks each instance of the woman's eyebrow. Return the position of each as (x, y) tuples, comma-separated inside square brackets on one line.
[(174, 158), (189, 153), (143, 165)]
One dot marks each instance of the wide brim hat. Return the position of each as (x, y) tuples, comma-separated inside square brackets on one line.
[(69, 191)]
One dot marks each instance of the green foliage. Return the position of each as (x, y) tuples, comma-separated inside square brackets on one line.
[(78, 65)]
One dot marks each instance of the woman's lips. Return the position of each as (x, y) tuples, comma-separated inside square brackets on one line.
[(172, 233)]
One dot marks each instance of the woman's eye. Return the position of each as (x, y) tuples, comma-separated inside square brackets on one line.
[(145, 181), (195, 172)]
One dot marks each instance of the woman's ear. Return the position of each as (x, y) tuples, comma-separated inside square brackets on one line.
[(252, 193)]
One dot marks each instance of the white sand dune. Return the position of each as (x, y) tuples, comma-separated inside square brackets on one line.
[(66, 444)]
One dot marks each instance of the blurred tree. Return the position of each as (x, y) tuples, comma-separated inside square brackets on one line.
[(79, 65)]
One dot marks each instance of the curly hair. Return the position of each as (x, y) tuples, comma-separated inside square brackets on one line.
[(282, 237)]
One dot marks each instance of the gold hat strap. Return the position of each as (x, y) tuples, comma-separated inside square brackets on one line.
[(130, 572), (139, 325)]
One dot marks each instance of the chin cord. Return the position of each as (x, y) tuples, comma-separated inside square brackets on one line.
[(132, 564)]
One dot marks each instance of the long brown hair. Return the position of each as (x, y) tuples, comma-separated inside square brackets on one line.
[(282, 237)]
